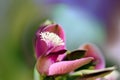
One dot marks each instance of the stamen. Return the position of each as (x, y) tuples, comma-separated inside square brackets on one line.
[(51, 38)]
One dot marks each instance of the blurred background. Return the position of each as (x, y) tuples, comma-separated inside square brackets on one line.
[(95, 21)]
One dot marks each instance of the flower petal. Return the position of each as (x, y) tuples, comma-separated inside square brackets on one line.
[(40, 48), (57, 29), (64, 67), (39, 45), (61, 54), (44, 47), (92, 51), (44, 62)]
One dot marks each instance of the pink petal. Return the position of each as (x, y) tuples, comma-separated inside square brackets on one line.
[(57, 48), (61, 57), (39, 45), (40, 48), (64, 67), (93, 51), (44, 62), (57, 29)]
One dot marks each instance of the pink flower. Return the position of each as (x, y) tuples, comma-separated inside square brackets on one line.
[(50, 50), (49, 38), (93, 51)]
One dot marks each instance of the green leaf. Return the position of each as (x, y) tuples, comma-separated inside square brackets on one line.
[(93, 74), (77, 54)]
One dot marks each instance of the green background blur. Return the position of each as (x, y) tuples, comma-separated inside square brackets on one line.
[(18, 21)]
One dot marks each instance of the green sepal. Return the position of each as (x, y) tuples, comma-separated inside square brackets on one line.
[(36, 74), (93, 74), (48, 22), (77, 54), (66, 77)]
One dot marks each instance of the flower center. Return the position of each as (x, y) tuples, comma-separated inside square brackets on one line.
[(51, 38)]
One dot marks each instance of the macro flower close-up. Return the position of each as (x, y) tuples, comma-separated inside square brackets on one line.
[(51, 50), (59, 39), (53, 58)]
